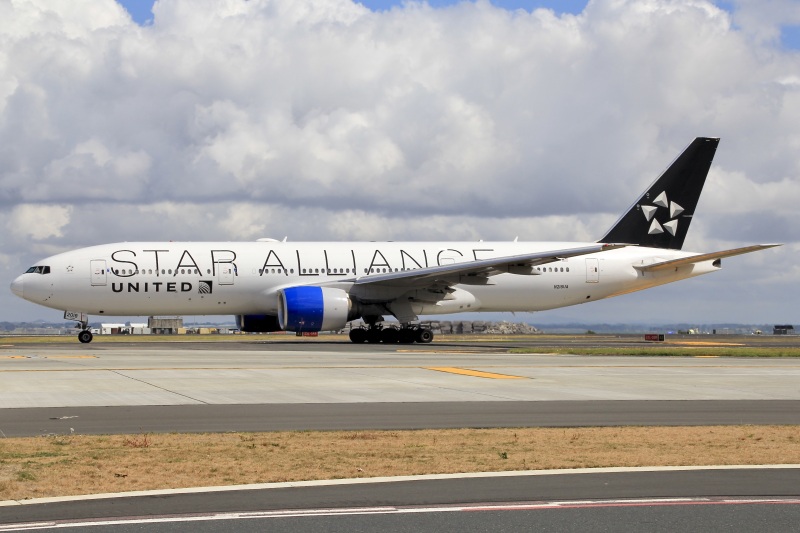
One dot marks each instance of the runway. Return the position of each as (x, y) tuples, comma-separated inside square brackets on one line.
[(196, 387), (72, 375), (212, 387)]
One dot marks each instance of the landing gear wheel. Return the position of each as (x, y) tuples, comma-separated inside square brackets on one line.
[(373, 335), (390, 335), (424, 336), (85, 336), (407, 336), (358, 335)]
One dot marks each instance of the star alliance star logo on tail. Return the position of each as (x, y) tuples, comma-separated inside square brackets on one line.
[(649, 212)]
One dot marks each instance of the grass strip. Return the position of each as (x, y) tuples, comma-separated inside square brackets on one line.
[(668, 351), (83, 464), (718, 346)]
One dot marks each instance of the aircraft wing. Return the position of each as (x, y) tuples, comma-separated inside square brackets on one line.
[(477, 272), (675, 263), (394, 291)]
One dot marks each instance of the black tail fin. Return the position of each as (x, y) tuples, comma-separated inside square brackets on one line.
[(660, 217)]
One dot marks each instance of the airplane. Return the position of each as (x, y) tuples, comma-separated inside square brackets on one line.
[(272, 285)]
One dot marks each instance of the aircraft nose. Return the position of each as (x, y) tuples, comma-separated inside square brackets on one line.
[(17, 286)]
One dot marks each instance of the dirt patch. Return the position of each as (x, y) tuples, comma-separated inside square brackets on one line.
[(68, 465)]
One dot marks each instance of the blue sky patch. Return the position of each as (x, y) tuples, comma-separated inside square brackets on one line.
[(559, 6), (790, 37), (141, 11)]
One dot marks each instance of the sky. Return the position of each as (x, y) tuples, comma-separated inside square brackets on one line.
[(336, 120)]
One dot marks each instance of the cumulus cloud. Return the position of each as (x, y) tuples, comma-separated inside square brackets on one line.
[(39, 222), (320, 119)]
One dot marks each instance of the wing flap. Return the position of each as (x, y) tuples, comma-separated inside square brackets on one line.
[(675, 263)]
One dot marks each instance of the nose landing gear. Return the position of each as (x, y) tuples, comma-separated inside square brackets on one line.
[(85, 336)]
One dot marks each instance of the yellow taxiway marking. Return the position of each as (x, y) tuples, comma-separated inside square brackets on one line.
[(475, 351), (70, 357), (474, 373)]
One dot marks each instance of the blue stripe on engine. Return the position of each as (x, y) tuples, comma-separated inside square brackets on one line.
[(305, 308)]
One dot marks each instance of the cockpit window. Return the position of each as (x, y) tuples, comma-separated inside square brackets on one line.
[(38, 270)]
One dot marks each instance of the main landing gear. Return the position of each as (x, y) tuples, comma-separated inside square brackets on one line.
[(391, 335)]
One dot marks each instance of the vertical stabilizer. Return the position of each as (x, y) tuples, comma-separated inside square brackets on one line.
[(661, 216)]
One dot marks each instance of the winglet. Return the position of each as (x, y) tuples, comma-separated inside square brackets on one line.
[(660, 217)]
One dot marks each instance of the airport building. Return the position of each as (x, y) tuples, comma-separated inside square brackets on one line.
[(163, 325)]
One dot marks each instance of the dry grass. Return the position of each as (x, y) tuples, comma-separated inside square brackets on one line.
[(67, 465)]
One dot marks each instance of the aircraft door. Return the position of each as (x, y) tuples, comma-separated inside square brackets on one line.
[(592, 270), (98, 269), (226, 274)]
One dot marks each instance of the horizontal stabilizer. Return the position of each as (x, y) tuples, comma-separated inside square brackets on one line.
[(675, 263)]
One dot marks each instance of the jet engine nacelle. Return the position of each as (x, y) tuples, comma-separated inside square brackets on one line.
[(257, 323), (313, 309)]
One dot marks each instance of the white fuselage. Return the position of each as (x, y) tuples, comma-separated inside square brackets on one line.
[(240, 278)]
